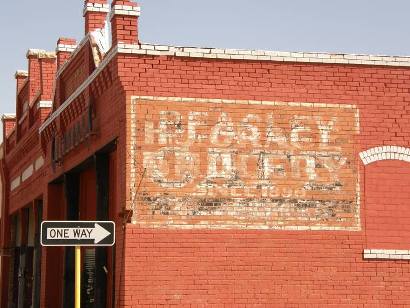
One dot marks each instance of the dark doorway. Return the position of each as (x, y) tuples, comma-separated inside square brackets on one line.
[(87, 195), (25, 267), (38, 216)]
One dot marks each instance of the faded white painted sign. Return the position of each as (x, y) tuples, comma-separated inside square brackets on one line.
[(233, 164)]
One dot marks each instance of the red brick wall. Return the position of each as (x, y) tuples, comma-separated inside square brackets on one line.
[(170, 265), (259, 268), (48, 69), (34, 71), (387, 205), (177, 257)]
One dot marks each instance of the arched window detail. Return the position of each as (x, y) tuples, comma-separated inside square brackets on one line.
[(385, 152)]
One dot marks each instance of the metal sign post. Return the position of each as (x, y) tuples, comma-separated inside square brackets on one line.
[(77, 276), (77, 233)]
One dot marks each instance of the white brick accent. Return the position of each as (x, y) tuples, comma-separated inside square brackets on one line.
[(8, 116), (65, 48), (15, 183), (262, 55), (95, 7), (245, 102), (44, 104), (21, 73), (384, 153), (39, 163), (386, 254), (28, 172), (125, 10), (40, 53)]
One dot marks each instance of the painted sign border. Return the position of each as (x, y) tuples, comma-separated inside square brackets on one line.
[(136, 99)]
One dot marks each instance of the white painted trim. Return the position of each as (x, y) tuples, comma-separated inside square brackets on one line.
[(385, 153), (126, 10), (391, 254), (15, 183), (80, 89), (39, 163), (40, 53), (95, 7), (21, 73), (44, 104), (28, 172), (65, 48), (8, 116), (246, 102), (261, 55)]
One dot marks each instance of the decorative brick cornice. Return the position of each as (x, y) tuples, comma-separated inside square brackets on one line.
[(65, 48), (108, 57), (261, 55), (76, 50), (21, 73), (384, 153), (95, 7), (41, 54), (126, 10), (8, 116), (386, 254)]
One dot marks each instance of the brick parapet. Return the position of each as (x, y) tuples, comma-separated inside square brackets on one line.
[(261, 55), (95, 7), (21, 74), (125, 10), (40, 54), (65, 48), (95, 13)]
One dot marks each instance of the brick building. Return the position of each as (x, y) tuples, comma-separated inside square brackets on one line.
[(236, 178)]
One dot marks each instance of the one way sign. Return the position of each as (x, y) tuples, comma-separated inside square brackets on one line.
[(77, 233)]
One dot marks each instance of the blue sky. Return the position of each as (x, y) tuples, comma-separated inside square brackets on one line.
[(348, 26)]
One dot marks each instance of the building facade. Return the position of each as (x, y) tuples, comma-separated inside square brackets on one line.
[(235, 178)]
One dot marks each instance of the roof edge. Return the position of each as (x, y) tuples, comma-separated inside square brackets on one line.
[(263, 55), (41, 54), (8, 116), (21, 73)]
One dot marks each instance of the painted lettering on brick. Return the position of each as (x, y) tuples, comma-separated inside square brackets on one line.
[(264, 166)]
